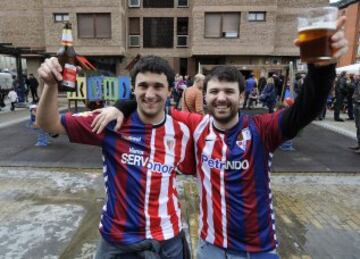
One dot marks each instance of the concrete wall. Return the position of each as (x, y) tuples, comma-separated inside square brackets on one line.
[(352, 33), (113, 46), (22, 23), (30, 23)]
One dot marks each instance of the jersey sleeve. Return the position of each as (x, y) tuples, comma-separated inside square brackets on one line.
[(269, 128), (188, 164), (190, 119), (78, 128)]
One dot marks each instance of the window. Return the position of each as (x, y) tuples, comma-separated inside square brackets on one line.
[(158, 32), (182, 3), (94, 25), (134, 26), (182, 32), (218, 25), (182, 25), (134, 32), (257, 16), (134, 3), (158, 3), (61, 17)]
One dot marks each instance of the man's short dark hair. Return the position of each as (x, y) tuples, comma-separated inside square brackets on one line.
[(153, 64), (225, 74)]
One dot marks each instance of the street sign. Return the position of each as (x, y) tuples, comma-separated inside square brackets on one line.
[(94, 88), (110, 88), (98, 88), (124, 88), (80, 93)]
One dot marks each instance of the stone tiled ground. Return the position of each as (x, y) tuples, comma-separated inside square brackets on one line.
[(57, 212), (317, 216)]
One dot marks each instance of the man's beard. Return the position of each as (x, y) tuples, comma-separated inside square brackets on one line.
[(224, 119)]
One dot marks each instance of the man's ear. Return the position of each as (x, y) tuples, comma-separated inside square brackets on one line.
[(169, 92)]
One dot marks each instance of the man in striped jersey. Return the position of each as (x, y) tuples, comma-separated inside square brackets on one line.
[(141, 217), (234, 152)]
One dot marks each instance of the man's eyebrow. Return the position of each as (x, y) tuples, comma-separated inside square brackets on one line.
[(159, 84), (143, 83)]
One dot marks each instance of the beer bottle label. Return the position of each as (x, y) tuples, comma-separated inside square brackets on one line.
[(67, 39), (69, 75)]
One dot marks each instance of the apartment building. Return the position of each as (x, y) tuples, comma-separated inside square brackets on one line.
[(351, 8), (254, 35)]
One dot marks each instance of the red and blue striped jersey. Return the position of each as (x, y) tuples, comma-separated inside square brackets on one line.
[(139, 163), (233, 169)]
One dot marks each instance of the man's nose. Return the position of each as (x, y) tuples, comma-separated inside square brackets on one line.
[(150, 93), (221, 96)]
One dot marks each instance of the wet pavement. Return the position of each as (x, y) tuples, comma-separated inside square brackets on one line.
[(51, 198), (316, 150), (49, 213), (46, 213), (317, 216)]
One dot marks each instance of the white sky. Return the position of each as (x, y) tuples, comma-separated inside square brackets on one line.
[(333, 1)]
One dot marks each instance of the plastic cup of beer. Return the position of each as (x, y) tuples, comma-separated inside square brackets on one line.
[(315, 28)]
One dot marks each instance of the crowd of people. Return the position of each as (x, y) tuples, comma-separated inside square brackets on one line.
[(20, 91)]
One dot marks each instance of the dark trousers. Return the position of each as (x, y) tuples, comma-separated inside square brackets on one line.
[(350, 107), (339, 100), (246, 99), (357, 120), (2, 97), (34, 94), (12, 108), (322, 114), (169, 249)]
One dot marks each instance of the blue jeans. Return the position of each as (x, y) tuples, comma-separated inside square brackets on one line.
[(207, 250), (169, 249)]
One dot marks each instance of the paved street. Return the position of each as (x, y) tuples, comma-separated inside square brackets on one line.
[(316, 149), (54, 213), (51, 198), (317, 215)]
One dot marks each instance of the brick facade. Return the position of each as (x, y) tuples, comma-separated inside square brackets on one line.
[(352, 33), (260, 45)]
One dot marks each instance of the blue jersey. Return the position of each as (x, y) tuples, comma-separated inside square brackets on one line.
[(139, 163), (233, 170)]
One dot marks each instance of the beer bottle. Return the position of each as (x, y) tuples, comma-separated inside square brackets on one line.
[(67, 58)]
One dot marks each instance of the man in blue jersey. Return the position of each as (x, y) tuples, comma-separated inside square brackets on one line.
[(250, 84), (233, 155), (141, 217)]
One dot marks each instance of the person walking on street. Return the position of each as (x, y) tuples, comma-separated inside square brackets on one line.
[(192, 99), (42, 138), (13, 97), (350, 84), (234, 152), (142, 216), (268, 95), (249, 85), (356, 102), (33, 84), (340, 93)]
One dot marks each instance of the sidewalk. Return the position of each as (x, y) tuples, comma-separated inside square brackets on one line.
[(346, 128), (8, 117), (54, 213), (317, 216)]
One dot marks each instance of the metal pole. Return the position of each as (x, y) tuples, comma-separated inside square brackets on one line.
[(21, 90)]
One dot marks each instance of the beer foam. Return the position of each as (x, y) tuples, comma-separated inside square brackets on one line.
[(319, 26)]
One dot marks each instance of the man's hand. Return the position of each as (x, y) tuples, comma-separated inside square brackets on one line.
[(339, 43), (50, 71), (47, 114), (104, 116)]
